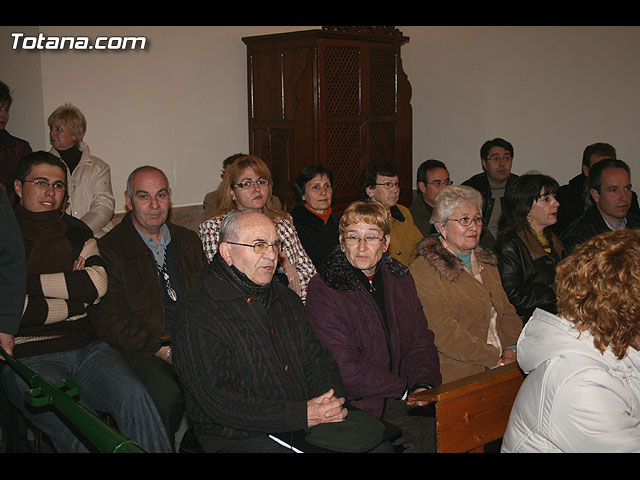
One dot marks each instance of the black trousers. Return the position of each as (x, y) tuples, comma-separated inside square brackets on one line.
[(418, 425)]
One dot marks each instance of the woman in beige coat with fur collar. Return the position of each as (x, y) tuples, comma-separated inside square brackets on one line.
[(458, 283)]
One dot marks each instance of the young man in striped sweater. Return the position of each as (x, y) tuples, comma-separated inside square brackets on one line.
[(65, 274)]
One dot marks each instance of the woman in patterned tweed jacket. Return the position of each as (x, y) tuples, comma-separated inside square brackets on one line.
[(247, 185)]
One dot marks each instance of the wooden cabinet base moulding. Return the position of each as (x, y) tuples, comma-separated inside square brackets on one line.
[(336, 96)]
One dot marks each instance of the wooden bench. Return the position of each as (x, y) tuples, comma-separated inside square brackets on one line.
[(473, 411)]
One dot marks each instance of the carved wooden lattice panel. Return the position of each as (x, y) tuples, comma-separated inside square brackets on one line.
[(337, 97), (279, 155), (383, 142), (343, 154), (383, 96), (342, 73)]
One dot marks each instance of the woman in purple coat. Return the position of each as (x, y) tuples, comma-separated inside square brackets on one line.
[(364, 308)]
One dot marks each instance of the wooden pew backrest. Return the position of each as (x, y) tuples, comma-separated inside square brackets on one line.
[(473, 411)]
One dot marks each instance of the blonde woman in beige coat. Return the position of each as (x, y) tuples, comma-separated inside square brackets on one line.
[(90, 196), (458, 283)]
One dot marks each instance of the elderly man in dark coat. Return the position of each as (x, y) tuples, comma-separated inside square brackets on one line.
[(245, 353)]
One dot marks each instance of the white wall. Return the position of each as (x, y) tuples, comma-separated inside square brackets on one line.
[(181, 104), (21, 71), (550, 91)]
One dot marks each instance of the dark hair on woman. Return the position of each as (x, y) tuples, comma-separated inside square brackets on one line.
[(518, 200), (309, 173), (370, 175)]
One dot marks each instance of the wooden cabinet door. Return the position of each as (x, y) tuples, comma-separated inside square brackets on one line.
[(337, 99)]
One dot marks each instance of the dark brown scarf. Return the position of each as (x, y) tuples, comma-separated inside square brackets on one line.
[(50, 249)]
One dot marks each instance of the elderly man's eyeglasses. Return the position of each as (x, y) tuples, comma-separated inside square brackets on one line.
[(250, 183), (261, 247), (353, 240), (440, 183), (466, 221), (44, 184)]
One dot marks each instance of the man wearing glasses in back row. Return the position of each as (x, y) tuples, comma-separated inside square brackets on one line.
[(379, 182), (433, 176)]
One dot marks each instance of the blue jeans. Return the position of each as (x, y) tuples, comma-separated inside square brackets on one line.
[(106, 384)]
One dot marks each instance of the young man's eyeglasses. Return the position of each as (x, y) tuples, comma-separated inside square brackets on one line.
[(44, 184)]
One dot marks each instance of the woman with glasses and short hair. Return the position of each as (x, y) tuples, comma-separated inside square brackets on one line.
[(527, 249), (246, 185), (380, 182), (364, 308), (458, 282)]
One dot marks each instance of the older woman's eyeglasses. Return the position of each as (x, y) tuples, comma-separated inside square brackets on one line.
[(261, 247), (466, 221), (250, 183), (390, 184), (44, 184), (353, 240)]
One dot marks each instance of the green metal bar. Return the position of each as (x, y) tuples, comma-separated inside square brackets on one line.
[(60, 395)]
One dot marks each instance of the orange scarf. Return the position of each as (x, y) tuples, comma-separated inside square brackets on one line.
[(323, 216)]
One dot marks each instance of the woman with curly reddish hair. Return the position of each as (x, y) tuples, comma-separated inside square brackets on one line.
[(582, 392)]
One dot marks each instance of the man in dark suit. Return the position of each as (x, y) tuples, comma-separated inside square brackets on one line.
[(574, 197), (610, 188), (151, 263)]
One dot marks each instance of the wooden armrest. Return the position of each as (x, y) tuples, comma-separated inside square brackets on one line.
[(473, 411), (468, 384)]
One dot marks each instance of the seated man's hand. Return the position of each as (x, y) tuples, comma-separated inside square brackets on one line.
[(78, 264), (165, 353), (326, 408)]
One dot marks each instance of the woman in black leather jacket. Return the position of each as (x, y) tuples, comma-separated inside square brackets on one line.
[(528, 251)]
